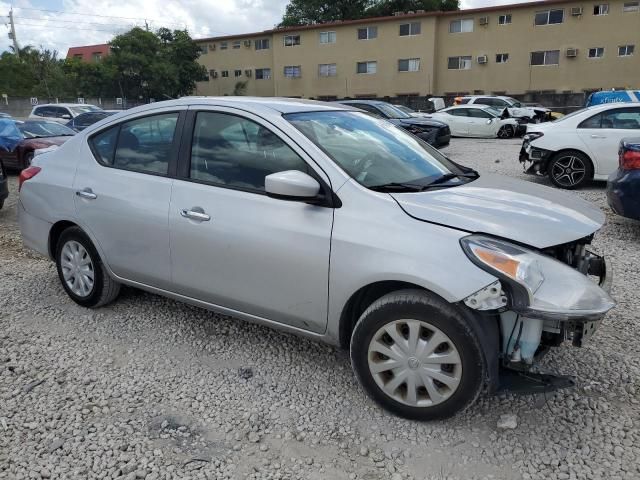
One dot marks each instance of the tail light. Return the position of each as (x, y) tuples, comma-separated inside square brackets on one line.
[(27, 174), (630, 159)]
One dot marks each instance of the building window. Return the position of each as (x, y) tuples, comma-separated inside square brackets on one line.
[(626, 50), (224, 73), (504, 19), (367, 67), (631, 7), (367, 33), (601, 9), (409, 65), (237, 73), (459, 63), (327, 37), (549, 17), (408, 29), (96, 56), (263, 73), (596, 52), (461, 26), (548, 57), (293, 71), (204, 49), (223, 45), (502, 57), (236, 44), (327, 70), (291, 40), (262, 44)]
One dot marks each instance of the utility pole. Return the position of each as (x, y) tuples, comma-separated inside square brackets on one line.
[(12, 34)]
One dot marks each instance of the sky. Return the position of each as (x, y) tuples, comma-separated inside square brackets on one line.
[(60, 24)]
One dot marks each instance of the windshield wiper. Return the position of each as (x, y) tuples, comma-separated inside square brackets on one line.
[(449, 176), (396, 187)]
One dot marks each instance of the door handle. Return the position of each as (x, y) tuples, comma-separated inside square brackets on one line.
[(597, 136), (86, 193), (195, 215)]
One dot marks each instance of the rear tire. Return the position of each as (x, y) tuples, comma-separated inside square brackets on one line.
[(434, 366), (81, 271), (28, 158), (570, 169)]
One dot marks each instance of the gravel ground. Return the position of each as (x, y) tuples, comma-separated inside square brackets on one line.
[(151, 388)]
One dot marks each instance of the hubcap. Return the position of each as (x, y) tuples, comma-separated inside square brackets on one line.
[(414, 363), (504, 132), (77, 268), (569, 171)]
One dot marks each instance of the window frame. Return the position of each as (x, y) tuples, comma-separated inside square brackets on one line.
[(224, 45), (548, 12), (626, 49), (410, 32), (408, 60), (503, 56), (460, 21), (596, 50), (328, 34), (631, 7), (544, 64), (328, 65), (284, 70), (260, 41), (172, 166), (460, 57), (284, 40), (224, 73), (367, 29), (367, 62), (505, 16), (603, 9), (262, 77)]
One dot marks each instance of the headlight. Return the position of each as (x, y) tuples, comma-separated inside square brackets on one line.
[(540, 286), (530, 137)]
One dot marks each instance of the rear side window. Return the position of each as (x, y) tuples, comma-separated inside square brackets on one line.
[(232, 151), (478, 113), (591, 122), (459, 112), (619, 119), (142, 145)]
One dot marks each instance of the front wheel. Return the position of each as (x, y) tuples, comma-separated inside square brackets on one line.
[(417, 356), (570, 170), (506, 131)]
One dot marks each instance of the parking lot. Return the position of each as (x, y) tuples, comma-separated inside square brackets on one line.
[(151, 388)]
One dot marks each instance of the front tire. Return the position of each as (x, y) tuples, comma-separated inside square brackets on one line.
[(506, 131), (570, 170), (81, 271), (417, 356)]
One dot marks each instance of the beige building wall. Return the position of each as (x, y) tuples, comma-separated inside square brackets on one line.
[(433, 46)]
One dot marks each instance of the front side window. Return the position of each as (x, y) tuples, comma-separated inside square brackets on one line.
[(461, 26), (549, 17), (502, 57), (407, 29), (262, 44), (548, 57), (372, 151), (601, 9), (367, 33), (622, 119), (327, 70), (263, 73), (596, 52), (409, 65), (293, 71), (459, 63), (327, 37), (504, 19), (626, 50), (631, 7), (232, 151), (479, 113), (367, 67), (141, 145), (291, 40)]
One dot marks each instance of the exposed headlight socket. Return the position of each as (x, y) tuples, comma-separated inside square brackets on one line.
[(491, 297)]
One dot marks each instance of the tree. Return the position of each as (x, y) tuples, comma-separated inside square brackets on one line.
[(240, 88), (385, 8)]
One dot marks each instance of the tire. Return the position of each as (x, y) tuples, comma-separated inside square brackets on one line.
[(428, 315), (1, 204), (506, 131), (28, 158), (570, 169), (75, 249)]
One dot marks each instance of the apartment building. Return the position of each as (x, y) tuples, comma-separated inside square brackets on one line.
[(552, 46)]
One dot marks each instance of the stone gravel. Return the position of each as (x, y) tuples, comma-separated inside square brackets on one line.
[(148, 388)]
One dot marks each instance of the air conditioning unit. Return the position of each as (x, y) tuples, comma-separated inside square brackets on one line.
[(482, 59), (576, 11), (247, 43), (397, 14), (410, 12), (213, 74), (483, 21), (572, 52), (247, 73)]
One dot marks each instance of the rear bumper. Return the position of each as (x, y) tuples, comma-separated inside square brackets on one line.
[(623, 193), (35, 232)]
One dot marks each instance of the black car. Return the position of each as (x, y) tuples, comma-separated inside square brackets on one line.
[(4, 187), (431, 131), (87, 119), (623, 187)]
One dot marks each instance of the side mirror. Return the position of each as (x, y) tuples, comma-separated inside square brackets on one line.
[(291, 185), (66, 116), (490, 121)]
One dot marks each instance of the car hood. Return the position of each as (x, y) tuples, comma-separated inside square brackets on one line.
[(427, 122), (513, 209)]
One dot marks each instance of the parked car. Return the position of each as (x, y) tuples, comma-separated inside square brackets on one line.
[(412, 112), (623, 186), (61, 112), (86, 119), (516, 109), (613, 96), (479, 121), (431, 131), (437, 279), (4, 115), (29, 136), (581, 146), (4, 185)]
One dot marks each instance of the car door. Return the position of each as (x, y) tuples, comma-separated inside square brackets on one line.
[(479, 123), (122, 194), (459, 122), (236, 247), (602, 133)]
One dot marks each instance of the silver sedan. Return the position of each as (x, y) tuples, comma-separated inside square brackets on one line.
[(329, 223)]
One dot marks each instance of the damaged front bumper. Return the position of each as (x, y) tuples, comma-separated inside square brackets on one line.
[(534, 159)]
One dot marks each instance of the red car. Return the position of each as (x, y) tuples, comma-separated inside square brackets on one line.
[(35, 134)]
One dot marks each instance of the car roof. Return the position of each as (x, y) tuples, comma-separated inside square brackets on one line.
[(365, 102), (66, 105), (470, 105)]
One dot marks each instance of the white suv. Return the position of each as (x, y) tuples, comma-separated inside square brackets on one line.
[(61, 112), (514, 107)]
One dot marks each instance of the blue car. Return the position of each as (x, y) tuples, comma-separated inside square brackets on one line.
[(623, 186)]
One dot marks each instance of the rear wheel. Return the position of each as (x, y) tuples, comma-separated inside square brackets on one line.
[(417, 356), (28, 158), (506, 131), (570, 170), (81, 271)]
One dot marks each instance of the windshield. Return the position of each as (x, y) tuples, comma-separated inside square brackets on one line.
[(392, 111), (84, 109), (44, 129), (373, 151), (514, 103), (404, 109), (496, 112)]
